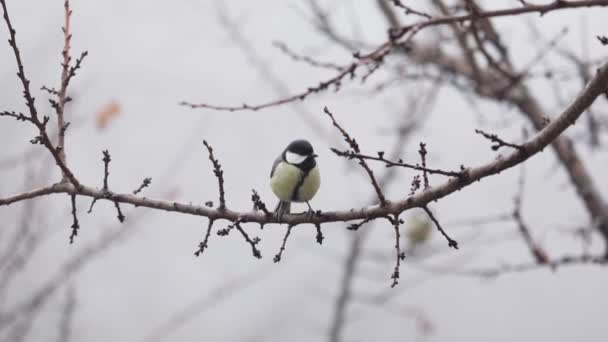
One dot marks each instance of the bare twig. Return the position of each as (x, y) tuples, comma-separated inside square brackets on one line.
[(258, 204), (425, 177), (29, 100), (451, 242), (356, 226), (203, 244), (279, 255), (252, 242), (146, 182), (335, 81), (219, 173), (319, 237), (299, 58), (43, 138), (106, 173), (355, 148), (415, 185), (498, 142), (537, 252), (398, 163), (75, 225), (105, 189), (396, 221), (65, 79), (409, 10), (92, 205), (119, 215), (15, 115), (553, 264)]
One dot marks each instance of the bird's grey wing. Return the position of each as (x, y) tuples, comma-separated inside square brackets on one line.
[(274, 166)]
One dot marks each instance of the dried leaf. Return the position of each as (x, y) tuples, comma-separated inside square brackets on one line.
[(109, 112)]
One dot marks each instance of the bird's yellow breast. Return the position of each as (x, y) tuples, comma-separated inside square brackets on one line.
[(310, 186), (286, 178)]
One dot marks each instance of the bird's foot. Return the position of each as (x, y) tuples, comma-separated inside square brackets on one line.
[(282, 209), (310, 213)]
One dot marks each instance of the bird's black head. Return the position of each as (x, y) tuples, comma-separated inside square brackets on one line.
[(301, 147), (300, 153)]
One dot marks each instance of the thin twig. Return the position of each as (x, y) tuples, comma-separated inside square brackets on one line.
[(279, 255), (119, 215), (203, 244), (219, 173), (396, 221), (319, 237), (335, 81), (415, 185), (75, 225), (299, 58), (43, 138), (553, 264), (355, 148), (29, 100), (398, 163), (146, 182), (537, 252), (356, 226), (451, 242), (258, 204), (425, 177), (65, 79), (106, 173), (409, 10), (498, 142), (252, 242)]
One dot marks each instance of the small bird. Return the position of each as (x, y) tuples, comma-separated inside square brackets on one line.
[(295, 176)]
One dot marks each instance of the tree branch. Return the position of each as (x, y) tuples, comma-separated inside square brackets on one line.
[(43, 138), (534, 145), (488, 85), (398, 36)]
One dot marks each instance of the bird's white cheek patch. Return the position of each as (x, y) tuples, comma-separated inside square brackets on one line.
[(294, 158)]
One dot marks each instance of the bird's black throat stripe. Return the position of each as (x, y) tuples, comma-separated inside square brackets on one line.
[(305, 167)]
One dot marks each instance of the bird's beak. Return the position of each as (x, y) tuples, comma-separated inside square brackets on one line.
[(314, 155)]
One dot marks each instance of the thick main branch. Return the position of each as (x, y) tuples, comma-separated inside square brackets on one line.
[(597, 86)]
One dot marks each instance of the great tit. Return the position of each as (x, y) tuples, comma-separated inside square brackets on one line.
[(295, 176)]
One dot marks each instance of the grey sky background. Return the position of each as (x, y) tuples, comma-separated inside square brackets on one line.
[(149, 55)]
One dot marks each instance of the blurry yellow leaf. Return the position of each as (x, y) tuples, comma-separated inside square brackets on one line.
[(107, 113), (419, 229)]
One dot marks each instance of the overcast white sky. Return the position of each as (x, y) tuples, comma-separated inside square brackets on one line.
[(147, 55)]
